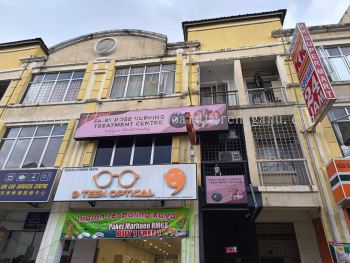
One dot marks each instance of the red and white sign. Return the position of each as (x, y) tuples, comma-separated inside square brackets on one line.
[(318, 93)]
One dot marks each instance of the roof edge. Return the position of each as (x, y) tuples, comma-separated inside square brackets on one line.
[(281, 13), (38, 41), (108, 33)]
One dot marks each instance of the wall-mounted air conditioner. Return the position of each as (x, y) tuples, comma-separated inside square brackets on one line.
[(229, 156)]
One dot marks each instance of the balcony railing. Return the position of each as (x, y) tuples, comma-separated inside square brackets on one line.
[(230, 98), (283, 172), (267, 95)]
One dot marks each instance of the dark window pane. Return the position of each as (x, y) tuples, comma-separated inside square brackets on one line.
[(345, 50), (3, 87), (143, 149), (4, 150), (104, 153), (344, 128), (59, 129), (65, 75), (123, 151), (59, 91), (51, 152), (37, 78), (137, 70), (78, 75), (12, 132), (334, 51), (17, 154), (44, 92), (43, 130), (73, 90), (122, 71), (36, 150), (162, 150), (27, 131), (51, 76), (337, 113)]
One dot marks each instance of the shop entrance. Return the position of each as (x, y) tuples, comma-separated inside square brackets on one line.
[(229, 237), (123, 251)]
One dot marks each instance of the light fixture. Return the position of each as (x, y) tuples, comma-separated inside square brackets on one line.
[(144, 240), (169, 245), (150, 244)]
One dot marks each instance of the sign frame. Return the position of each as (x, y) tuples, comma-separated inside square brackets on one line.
[(52, 183), (113, 182), (312, 72)]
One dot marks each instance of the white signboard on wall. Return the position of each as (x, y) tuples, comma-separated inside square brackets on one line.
[(148, 182)]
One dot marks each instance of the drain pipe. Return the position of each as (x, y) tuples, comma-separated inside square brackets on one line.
[(319, 176)]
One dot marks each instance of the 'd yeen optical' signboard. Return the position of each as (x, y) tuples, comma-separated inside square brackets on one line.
[(318, 93), (27, 185), (122, 224), (168, 120), (147, 182)]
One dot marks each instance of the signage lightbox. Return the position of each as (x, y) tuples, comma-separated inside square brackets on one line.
[(338, 171), (168, 120), (26, 185), (317, 90), (126, 224), (144, 182), (226, 189)]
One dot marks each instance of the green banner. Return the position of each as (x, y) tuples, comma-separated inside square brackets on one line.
[(126, 224)]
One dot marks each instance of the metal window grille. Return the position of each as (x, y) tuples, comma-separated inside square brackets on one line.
[(143, 81), (277, 243), (53, 87), (279, 155), (225, 149)]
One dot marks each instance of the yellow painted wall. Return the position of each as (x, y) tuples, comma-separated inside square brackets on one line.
[(233, 35), (10, 57)]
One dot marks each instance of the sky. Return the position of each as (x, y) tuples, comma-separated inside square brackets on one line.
[(59, 20)]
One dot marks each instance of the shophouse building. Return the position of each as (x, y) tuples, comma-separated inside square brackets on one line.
[(147, 151)]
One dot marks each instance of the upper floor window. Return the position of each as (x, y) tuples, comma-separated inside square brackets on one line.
[(340, 118), (144, 81), (3, 87), (336, 61), (54, 87), (278, 152), (31, 146), (134, 151)]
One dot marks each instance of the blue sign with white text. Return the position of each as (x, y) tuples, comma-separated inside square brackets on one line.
[(33, 185)]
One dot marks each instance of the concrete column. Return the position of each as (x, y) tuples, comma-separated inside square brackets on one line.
[(307, 243), (190, 245), (282, 69), (84, 251), (253, 168), (239, 82), (51, 246)]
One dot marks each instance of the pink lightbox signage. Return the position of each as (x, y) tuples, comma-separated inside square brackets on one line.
[(168, 120), (226, 189)]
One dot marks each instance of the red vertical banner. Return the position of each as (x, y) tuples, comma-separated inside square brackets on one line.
[(318, 93)]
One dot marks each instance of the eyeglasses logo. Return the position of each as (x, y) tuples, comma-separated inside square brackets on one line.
[(96, 177)]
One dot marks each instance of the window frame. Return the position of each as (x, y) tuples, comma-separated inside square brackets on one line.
[(63, 100), (324, 55), (141, 92), (131, 160), (343, 119), (31, 138)]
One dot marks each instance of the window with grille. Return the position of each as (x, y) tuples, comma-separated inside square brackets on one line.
[(145, 80), (31, 146), (278, 151), (54, 87), (336, 60), (134, 151), (340, 119), (225, 149)]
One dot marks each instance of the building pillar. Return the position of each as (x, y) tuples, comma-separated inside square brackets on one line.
[(51, 245), (239, 82), (307, 243)]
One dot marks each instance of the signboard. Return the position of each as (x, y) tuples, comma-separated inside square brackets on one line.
[(338, 171), (318, 93), (340, 252), (146, 182), (26, 185), (169, 120), (226, 189), (36, 220), (126, 224)]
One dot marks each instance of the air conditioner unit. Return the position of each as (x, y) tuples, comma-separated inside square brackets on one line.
[(229, 156)]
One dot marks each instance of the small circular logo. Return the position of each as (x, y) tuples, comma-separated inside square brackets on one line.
[(217, 197), (177, 120)]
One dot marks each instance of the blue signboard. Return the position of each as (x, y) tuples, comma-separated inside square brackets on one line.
[(36, 220), (26, 185)]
